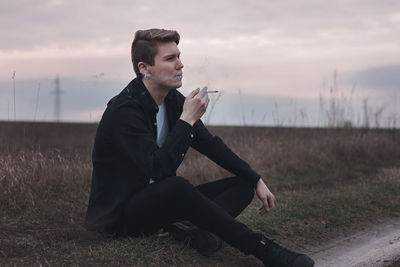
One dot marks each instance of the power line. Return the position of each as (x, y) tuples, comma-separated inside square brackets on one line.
[(57, 99)]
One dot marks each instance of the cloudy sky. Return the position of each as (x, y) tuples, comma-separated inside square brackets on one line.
[(273, 60)]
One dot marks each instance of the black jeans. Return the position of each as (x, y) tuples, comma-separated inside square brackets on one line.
[(211, 206)]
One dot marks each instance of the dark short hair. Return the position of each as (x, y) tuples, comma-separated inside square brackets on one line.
[(144, 45)]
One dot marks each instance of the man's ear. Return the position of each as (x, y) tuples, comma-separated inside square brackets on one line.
[(142, 68)]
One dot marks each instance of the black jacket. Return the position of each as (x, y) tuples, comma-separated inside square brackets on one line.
[(126, 155)]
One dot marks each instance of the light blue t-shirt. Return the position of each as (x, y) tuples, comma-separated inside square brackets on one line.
[(162, 125)]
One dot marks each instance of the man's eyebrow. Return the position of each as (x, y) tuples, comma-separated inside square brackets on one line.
[(172, 55)]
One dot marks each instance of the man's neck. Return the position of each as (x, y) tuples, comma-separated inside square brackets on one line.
[(156, 92)]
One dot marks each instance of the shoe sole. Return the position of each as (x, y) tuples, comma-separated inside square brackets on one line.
[(203, 241)]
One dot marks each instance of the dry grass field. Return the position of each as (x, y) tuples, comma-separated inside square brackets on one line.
[(326, 181)]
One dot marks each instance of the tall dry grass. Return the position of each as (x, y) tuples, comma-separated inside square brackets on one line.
[(45, 172), (45, 169), (293, 157)]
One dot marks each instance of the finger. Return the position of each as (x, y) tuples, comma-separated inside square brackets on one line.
[(194, 93), (265, 208), (204, 102), (266, 205), (202, 93), (206, 97), (271, 202), (261, 210)]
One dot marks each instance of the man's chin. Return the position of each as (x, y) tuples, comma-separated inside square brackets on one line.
[(172, 85), (178, 84)]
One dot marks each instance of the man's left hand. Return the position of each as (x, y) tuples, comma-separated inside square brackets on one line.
[(265, 196)]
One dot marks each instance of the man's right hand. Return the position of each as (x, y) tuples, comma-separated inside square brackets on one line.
[(195, 106), (266, 197)]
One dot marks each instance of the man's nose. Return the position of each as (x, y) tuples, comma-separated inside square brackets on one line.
[(179, 64)]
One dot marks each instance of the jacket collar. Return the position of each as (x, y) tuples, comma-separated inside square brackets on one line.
[(138, 90)]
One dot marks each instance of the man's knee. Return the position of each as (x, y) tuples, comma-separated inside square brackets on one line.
[(247, 190)]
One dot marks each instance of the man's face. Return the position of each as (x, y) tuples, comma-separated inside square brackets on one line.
[(167, 69)]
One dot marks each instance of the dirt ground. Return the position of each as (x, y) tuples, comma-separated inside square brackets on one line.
[(378, 245)]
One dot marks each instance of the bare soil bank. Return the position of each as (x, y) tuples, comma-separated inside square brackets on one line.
[(378, 245)]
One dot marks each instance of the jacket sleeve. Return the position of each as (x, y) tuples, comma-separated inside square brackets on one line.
[(134, 139), (216, 150)]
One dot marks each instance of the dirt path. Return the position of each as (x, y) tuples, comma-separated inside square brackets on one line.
[(378, 245)]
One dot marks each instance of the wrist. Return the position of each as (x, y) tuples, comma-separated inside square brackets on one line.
[(188, 120)]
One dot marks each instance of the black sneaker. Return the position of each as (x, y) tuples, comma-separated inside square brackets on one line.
[(193, 237), (273, 254)]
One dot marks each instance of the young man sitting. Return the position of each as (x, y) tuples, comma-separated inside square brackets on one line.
[(140, 142)]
